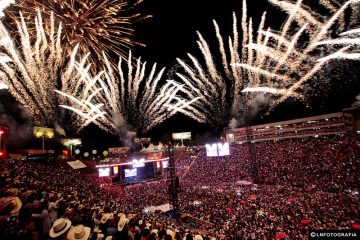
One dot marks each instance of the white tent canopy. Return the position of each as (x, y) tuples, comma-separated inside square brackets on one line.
[(76, 164)]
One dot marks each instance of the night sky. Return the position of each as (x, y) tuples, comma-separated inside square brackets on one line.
[(171, 33)]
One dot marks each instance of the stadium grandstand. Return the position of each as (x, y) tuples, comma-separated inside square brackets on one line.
[(315, 126)]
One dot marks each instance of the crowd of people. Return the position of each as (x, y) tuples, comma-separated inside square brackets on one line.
[(293, 186)]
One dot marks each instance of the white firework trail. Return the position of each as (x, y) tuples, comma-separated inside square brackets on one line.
[(211, 80), (31, 69), (138, 101), (4, 4), (351, 32), (275, 62), (290, 62), (265, 90)]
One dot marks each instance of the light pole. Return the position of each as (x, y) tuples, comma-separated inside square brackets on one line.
[(44, 132), (70, 143), (173, 183)]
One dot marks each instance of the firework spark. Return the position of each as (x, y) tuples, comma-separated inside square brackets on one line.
[(290, 63), (116, 102), (4, 4), (95, 25), (31, 70), (212, 81), (276, 62)]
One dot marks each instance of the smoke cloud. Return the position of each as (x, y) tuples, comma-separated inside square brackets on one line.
[(233, 123), (250, 108), (124, 131), (20, 128), (59, 130)]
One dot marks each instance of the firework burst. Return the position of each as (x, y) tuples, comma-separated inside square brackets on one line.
[(279, 63), (32, 69), (96, 26), (211, 80), (4, 4), (119, 102), (291, 63)]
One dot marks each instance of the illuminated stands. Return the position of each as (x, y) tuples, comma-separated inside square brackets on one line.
[(328, 124), (136, 170)]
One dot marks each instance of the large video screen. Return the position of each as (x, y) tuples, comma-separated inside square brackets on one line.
[(130, 172), (217, 149), (211, 150), (138, 163), (104, 172), (165, 164), (223, 149)]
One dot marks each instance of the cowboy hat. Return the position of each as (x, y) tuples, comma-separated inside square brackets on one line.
[(17, 205), (155, 231), (59, 227), (105, 217), (170, 232), (198, 237), (122, 222), (78, 233)]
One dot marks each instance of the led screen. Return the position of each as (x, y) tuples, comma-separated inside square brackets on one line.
[(138, 163), (217, 149), (223, 149), (211, 150), (104, 172), (130, 172), (165, 164)]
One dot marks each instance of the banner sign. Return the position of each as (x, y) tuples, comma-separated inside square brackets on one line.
[(154, 155), (130, 172), (182, 135), (138, 163), (118, 150)]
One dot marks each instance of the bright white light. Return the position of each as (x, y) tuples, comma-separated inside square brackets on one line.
[(165, 164), (223, 149), (3, 85), (130, 172), (5, 58), (104, 172), (77, 151), (211, 150), (71, 142), (4, 4), (351, 32), (264, 90), (138, 163)]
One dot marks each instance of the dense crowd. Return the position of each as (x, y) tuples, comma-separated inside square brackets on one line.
[(298, 185)]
